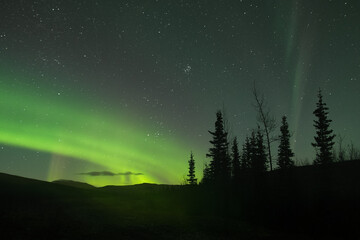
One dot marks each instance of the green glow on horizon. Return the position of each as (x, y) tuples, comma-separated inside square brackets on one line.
[(61, 126)]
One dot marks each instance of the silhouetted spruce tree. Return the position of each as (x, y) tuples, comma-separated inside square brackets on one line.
[(285, 154), (235, 160), (220, 165), (341, 154), (206, 175), (252, 148), (246, 155), (258, 158), (192, 180), (324, 137)]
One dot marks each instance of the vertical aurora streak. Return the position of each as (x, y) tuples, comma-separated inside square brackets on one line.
[(298, 49), (297, 100)]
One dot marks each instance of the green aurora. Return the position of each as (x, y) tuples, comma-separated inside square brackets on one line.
[(124, 86), (48, 123)]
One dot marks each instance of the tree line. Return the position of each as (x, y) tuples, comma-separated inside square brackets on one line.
[(228, 165)]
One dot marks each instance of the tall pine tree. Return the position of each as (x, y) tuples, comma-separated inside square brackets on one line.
[(285, 154), (192, 180), (259, 163), (324, 135), (206, 175), (220, 165), (256, 152), (252, 149), (235, 160), (245, 156)]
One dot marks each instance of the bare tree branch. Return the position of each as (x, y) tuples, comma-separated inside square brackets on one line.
[(265, 118)]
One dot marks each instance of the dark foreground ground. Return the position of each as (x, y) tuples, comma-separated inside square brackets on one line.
[(304, 203)]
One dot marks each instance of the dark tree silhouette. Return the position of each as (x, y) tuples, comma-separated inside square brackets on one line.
[(354, 153), (284, 151), (255, 152), (206, 175), (192, 180), (259, 158), (252, 149), (220, 165), (266, 120), (324, 135), (341, 154), (246, 155), (235, 160), (253, 143)]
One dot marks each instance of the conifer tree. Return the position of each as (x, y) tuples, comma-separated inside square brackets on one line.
[(235, 160), (192, 180), (256, 152), (220, 165), (259, 159), (252, 149), (206, 175), (284, 151), (324, 135), (245, 156)]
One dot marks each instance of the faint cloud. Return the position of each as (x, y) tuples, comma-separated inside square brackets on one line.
[(108, 173), (130, 173)]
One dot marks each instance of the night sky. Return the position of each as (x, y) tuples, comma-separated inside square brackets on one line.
[(120, 92)]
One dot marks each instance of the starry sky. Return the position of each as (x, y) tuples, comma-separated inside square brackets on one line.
[(120, 92)]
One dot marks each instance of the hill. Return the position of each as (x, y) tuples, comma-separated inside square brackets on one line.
[(42, 210), (74, 184), (314, 199), (310, 202)]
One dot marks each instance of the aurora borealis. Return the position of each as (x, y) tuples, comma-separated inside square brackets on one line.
[(133, 86), (44, 123)]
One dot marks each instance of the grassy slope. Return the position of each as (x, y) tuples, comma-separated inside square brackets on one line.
[(309, 200), (32, 209)]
